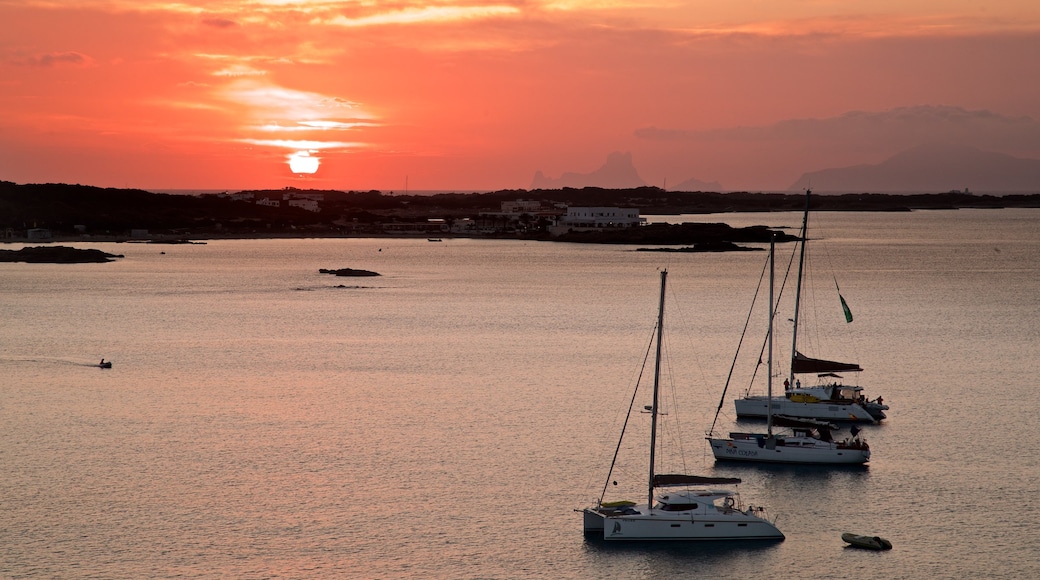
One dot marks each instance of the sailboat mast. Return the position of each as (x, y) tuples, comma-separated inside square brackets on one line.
[(657, 379), (798, 287), (769, 358)]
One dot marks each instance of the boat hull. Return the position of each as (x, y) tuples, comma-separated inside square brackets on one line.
[(660, 526), (821, 453), (866, 542), (593, 521), (758, 407)]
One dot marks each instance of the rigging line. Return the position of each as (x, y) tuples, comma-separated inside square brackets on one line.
[(774, 313), (684, 325), (725, 387), (628, 416), (675, 425)]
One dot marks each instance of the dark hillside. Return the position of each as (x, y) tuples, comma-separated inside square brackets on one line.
[(61, 207)]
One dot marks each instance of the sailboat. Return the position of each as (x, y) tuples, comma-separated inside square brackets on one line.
[(678, 506), (809, 442), (830, 400)]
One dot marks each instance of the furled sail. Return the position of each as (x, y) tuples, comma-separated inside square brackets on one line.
[(804, 364), (668, 479)]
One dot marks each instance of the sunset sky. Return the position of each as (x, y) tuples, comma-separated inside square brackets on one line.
[(481, 94)]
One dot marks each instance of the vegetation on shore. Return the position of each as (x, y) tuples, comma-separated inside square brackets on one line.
[(74, 211)]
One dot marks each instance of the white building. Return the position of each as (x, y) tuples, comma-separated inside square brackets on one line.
[(303, 195), (588, 218), (269, 202), (521, 206), (307, 204)]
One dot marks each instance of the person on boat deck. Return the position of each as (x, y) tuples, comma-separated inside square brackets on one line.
[(787, 385), (798, 383), (854, 430), (102, 361)]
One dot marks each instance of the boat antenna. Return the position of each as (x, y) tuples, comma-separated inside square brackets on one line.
[(657, 380), (798, 286)]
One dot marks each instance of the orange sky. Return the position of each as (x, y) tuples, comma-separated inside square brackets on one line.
[(480, 94)]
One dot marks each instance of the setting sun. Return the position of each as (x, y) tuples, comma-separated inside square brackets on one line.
[(302, 162)]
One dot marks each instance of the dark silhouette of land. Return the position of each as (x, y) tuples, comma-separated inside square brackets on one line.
[(349, 272), (75, 212), (56, 255)]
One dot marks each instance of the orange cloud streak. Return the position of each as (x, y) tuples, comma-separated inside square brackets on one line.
[(472, 94)]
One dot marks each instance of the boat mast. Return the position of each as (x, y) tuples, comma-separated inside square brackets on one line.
[(798, 287), (769, 358), (657, 378)]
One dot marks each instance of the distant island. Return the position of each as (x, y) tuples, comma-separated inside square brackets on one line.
[(348, 272), (56, 255), (47, 213)]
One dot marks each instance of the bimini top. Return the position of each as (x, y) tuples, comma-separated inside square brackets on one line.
[(674, 479), (804, 364)]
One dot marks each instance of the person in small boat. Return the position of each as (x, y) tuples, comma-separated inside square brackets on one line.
[(102, 362)]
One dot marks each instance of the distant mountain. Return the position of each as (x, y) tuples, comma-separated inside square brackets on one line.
[(931, 168), (617, 173), (694, 184)]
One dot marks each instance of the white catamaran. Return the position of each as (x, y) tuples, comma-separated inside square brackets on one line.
[(678, 507), (828, 401), (808, 442)]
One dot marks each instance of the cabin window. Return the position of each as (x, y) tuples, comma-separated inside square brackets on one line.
[(741, 525), (709, 525), (679, 507)]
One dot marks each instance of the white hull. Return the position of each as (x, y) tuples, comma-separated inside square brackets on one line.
[(663, 526), (795, 450), (758, 406)]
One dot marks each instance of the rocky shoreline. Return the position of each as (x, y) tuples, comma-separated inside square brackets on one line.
[(57, 255)]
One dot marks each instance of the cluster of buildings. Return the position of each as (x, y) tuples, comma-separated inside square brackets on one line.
[(521, 215), (558, 218), (301, 199)]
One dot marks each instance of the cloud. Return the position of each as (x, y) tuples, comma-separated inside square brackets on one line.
[(316, 125), (272, 101), (310, 115), (239, 70), (53, 59), (897, 128), (299, 144), (424, 14), (219, 22)]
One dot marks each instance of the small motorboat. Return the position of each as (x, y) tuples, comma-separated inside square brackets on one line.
[(866, 542), (105, 364)]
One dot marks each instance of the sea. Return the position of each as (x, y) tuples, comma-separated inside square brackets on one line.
[(446, 418)]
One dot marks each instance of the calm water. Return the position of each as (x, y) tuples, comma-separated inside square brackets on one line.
[(262, 420)]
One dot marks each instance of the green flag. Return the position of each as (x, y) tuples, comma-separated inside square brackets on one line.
[(845, 307)]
